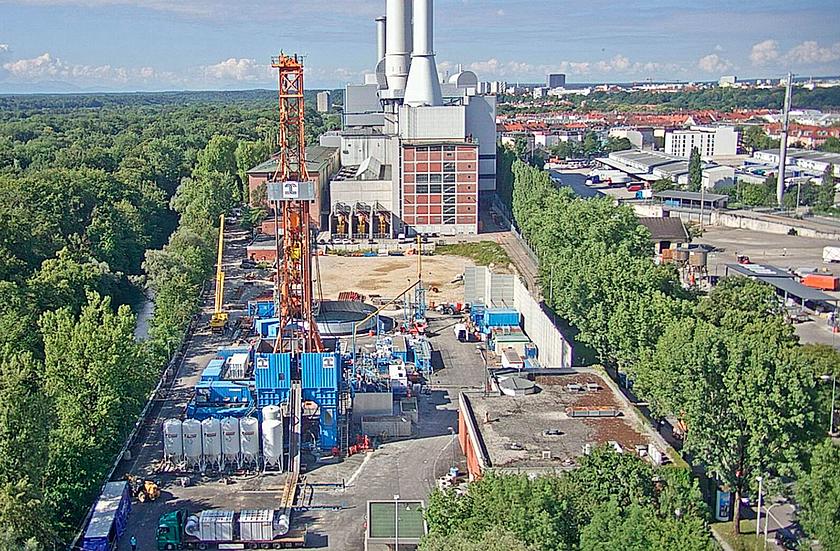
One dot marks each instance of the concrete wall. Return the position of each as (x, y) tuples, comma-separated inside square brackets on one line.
[(481, 125), (369, 192), (372, 404), (433, 123), (390, 426), (355, 149), (553, 348)]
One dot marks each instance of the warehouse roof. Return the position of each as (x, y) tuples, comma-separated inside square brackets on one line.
[(316, 157), (781, 281), (690, 195), (666, 229)]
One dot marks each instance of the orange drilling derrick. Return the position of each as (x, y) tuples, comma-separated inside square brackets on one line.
[(291, 194)]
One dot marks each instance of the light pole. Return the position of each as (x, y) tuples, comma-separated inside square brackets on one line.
[(758, 518), (396, 522), (833, 379)]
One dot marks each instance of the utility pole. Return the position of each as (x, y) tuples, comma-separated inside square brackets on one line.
[(780, 180)]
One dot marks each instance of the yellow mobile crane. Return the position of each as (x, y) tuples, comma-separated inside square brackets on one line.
[(220, 318)]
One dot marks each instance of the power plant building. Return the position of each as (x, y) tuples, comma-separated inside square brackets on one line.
[(416, 150)]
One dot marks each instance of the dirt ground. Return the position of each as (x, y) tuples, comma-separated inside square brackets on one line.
[(388, 276)]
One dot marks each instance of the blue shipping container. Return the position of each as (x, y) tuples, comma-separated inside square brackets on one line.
[(228, 351), (263, 326), (213, 371), (322, 397), (272, 371), (501, 317), (530, 350), (109, 519), (320, 370), (222, 392), (328, 428), (271, 397), (261, 308), (217, 412)]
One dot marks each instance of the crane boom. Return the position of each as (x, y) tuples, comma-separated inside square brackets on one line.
[(220, 317)]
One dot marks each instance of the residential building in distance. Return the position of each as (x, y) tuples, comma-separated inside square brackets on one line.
[(324, 102), (641, 138), (710, 141), (728, 81), (557, 80), (498, 87)]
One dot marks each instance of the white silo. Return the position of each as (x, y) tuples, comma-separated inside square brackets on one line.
[(173, 441), (249, 440), (192, 443), (230, 442), (211, 441), (272, 437)]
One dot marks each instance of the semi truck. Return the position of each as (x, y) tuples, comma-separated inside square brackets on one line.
[(215, 529)]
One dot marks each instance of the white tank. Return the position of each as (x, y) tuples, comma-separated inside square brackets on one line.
[(173, 440), (271, 413), (249, 440), (192, 442), (272, 437), (230, 441), (211, 441)]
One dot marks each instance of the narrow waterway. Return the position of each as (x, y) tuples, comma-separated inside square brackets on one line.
[(145, 312)]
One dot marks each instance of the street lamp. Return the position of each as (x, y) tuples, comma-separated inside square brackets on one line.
[(833, 379)]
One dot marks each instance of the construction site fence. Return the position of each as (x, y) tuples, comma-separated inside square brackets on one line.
[(167, 377)]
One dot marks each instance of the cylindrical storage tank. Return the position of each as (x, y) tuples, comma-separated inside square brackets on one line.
[(271, 413), (698, 259), (231, 445), (249, 440), (173, 440), (272, 441), (680, 255), (192, 442), (211, 442)]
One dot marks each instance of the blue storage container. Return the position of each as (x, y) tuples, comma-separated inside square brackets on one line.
[(228, 351), (261, 308), (477, 313), (275, 397), (530, 350), (213, 371), (263, 327), (501, 317), (222, 392), (109, 519), (328, 428), (531, 363), (272, 371), (320, 370), (321, 396)]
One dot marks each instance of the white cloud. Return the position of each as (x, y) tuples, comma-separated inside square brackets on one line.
[(500, 13), (4, 48), (48, 67), (811, 52), (238, 70), (617, 65), (713, 63), (764, 52)]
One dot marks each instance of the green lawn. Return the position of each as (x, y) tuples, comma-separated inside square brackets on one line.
[(745, 541), (483, 253)]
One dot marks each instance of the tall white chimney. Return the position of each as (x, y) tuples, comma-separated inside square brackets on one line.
[(398, 43), (423, 86), (380, 38)]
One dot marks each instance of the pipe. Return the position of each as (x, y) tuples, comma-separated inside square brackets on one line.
[(423, 86), (380, 38), (423, 27)]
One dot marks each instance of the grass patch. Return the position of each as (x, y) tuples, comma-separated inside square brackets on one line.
[(483, 253), (746, 541)]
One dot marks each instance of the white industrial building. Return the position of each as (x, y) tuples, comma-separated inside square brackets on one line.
[(710, 141), (416, 150), (650, 166), (323, 102), (813, 163)]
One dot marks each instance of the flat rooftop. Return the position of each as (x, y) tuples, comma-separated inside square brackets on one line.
[(540, 431)]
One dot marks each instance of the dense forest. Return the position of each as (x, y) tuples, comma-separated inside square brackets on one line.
[(721, 99), (728, 365), (103, 198)]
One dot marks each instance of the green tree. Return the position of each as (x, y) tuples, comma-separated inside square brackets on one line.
[(96, 379), (663, 184), (818, 496), (118, 236), (591, 144), (520, 148), (831, 145), (248, 155), (218, 156), (65, 280), (827, 191), (494, 539), (735, 383), (695, 170)]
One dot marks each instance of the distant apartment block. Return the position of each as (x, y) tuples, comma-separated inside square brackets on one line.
[(711, 142), (557, 80), (323, 102)]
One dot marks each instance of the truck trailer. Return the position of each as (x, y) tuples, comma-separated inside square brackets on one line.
[(215, 529)]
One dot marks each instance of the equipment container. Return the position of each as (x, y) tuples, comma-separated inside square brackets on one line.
[(272, 371), (256, 525), (109, 519), (824, 282), (216, 526), (320, 370), (213, 371), (497, 317)]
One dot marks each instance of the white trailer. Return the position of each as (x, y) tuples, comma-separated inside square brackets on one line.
[(831, 254)]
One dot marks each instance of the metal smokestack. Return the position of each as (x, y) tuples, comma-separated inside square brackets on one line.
[(423, 86), (380, 38), (398, 43)]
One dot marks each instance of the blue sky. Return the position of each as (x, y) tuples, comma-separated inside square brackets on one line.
[(51, 45)]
